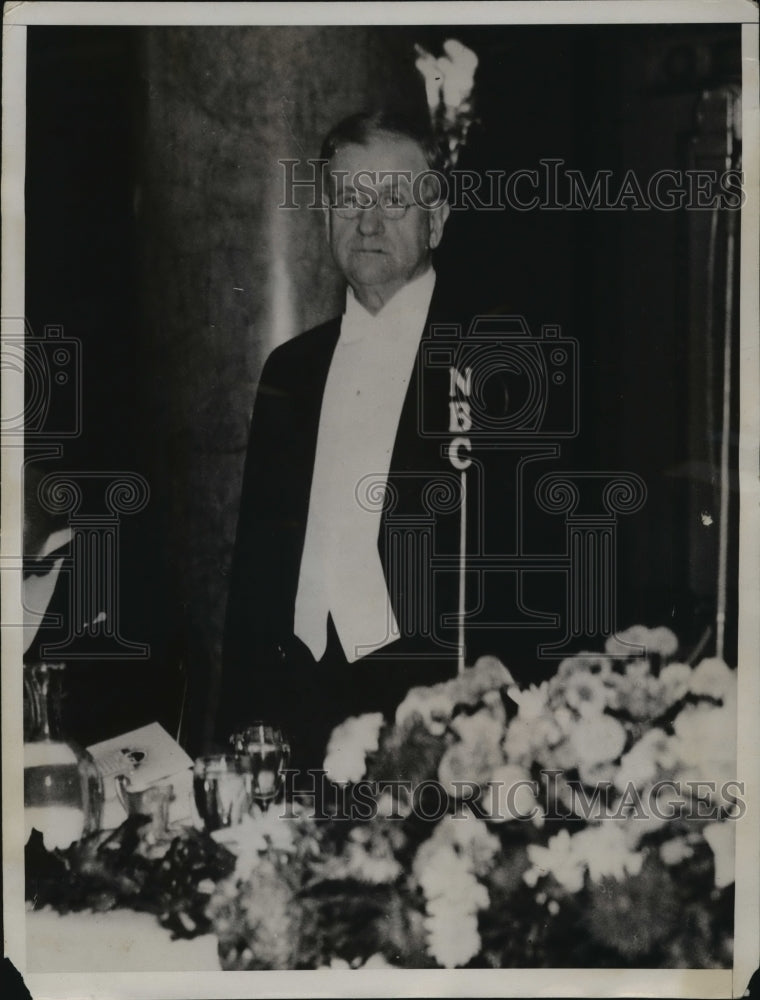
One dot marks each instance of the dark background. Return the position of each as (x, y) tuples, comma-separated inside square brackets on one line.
[(153, 237)]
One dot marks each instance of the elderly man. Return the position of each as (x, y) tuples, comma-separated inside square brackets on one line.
[(344, 580)]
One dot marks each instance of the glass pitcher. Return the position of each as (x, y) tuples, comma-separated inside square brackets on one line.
[(63, 790)]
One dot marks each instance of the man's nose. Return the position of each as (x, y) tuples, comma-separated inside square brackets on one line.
[(370, 220)]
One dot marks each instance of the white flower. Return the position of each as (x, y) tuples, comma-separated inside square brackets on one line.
[(673, 852), (637, 670), (529, 740), (510, 794), (559, 858), (445, 867), (488, 673), (637, 826), (659, 641), (563, 717), (492, 701), (596, 774), (639, 691), (640, 765), (706, 738), (604, 850), (458, 67), (336, 963), (584, 662), (662, 803), (464, 893), (453, 937), (722, 840), (532, 875), (432, 705), (377, 961), (427, 65), (586, 693), (435, 705), (674, 682), (531, 701), (625, 644), (375, 869), (713, 678), (467, 831), (450, 77), (597, 740), (254, 835), (467, 836), (391, 806), (349, 744), (662, 641), (483, 727)]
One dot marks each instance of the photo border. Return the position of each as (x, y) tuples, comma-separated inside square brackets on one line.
[(506, 982)]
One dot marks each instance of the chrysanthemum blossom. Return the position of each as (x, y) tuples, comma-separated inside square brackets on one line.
[(674, 681), (349, 744), (713, 678), (510, 795), (655, 641), (597, 740), (605, 852), (560, 859)]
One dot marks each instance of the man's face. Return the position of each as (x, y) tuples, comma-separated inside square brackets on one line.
[(381, 251)]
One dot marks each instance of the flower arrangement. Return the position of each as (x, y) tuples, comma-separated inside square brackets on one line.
[(449, 86), (585, 822)]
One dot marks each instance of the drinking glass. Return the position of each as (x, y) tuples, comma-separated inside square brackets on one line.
[(222, 788), (268, 753), (152, 801)]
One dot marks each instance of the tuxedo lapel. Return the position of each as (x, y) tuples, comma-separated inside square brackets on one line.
[(312, 368), (420, 524), (275, 495)]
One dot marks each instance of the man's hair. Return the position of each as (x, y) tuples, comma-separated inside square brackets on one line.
[(360, 129)]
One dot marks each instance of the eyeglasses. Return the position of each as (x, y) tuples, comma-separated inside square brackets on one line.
[(390, 205)]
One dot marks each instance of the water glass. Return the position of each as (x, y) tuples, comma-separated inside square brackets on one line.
[(222, 788)]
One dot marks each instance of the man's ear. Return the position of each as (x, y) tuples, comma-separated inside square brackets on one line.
[(436, 221)]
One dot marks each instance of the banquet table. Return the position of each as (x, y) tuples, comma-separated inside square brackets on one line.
[(501, 883)]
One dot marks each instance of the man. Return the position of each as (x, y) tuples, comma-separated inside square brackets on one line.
[(335, 607)]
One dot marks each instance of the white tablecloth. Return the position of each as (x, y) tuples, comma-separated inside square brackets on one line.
[(117, 941)]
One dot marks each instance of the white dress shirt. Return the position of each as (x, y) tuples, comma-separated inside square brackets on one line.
[(341, 572)]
